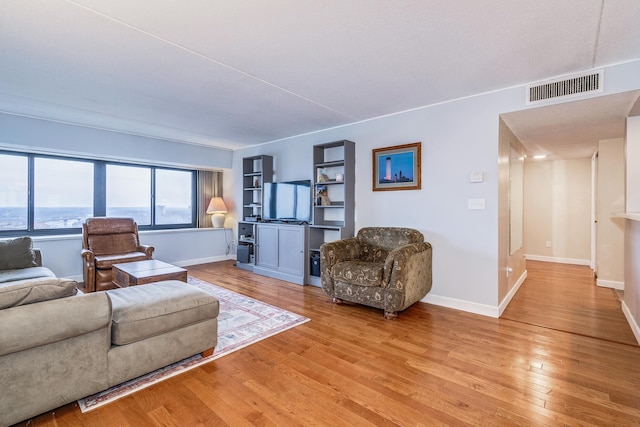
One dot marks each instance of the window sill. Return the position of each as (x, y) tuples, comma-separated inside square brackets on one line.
[(58, 237)]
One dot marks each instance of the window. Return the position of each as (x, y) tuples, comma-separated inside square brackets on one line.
[(52, 195), (173, 197), (14, 191), (62, 193), (129, 193)]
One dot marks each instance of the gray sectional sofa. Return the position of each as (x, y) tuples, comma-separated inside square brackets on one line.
[(58, 345)]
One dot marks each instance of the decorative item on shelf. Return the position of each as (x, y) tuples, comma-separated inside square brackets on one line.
[(339, 177), (322, 199), (322, 177), (217, 209), (256, 183)]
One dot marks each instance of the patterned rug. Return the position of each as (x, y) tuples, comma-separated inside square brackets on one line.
[(242, 321)]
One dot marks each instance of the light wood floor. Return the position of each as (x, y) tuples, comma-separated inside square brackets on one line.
[(432, 366), (566, 298)]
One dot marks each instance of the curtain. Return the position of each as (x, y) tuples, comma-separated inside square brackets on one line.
[(209, 185)]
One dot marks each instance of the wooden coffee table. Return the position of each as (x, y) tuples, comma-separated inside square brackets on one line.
[(141, 272)]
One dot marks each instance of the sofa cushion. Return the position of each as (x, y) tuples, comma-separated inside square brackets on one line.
[(389, 237), (17, 253), (144, 311), (33, 325), (104, 262), (24, 274), (102, 244), (111, 225), (31, 290), (358, 273)]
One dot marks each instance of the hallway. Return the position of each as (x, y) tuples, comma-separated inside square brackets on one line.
[(565, 297)]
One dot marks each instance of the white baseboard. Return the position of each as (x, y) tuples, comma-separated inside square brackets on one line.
[(559, 260), (189, 262), (610, 284), (507, 299), (471, 307), (632, 322)]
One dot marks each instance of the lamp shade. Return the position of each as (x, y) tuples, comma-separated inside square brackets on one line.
[(217, 206)]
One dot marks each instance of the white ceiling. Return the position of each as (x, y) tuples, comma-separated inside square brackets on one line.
[(243, 72), (572, 130)]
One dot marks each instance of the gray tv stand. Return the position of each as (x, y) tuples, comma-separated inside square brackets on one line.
[(281, 251)]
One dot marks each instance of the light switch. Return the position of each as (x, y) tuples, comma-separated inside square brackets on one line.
[(475, 203), (476, 177)]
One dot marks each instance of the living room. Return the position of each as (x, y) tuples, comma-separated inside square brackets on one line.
[(451, 153), (460, 135)]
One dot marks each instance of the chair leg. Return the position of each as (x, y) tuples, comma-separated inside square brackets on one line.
[(337, 300), (390, 315)]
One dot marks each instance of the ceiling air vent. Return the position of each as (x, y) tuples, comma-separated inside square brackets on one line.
[(565, 87)]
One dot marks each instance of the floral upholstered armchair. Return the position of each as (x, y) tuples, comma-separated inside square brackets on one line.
[(382, 267)]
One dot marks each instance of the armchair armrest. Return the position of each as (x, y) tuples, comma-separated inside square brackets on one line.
[(407, 275), (88, 255), (341, 250), (88, 270), (396, 266), (146, 249), (332, 253)]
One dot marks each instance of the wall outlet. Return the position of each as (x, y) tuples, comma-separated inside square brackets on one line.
[(548, 243)]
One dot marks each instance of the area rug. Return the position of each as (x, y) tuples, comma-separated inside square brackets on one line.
[(242, 321)]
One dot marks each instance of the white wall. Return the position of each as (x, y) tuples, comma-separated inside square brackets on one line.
[(457, 138), (611, 195), (557, 209), (632, 153), (512, 264), (631, 303), (464, 241), (25, 133)]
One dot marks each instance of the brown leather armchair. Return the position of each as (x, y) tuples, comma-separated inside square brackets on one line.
[(108, 241)]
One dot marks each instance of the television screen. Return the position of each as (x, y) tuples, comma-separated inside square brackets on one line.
[(287, 201)]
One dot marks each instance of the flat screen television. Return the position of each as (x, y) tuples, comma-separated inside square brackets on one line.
[(288, 201)]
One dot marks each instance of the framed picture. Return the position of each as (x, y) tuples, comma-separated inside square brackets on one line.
[(397, 168)]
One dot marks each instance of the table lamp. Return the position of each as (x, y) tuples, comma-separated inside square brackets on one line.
[(217, 209)]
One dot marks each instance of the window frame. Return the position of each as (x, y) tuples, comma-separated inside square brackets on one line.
[(99, 194)]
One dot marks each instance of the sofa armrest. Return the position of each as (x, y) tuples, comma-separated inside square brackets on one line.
[(33, 325), (146, 249), (332, 253)]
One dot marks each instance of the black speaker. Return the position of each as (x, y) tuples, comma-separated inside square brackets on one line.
[(315, 265), (244, 252)]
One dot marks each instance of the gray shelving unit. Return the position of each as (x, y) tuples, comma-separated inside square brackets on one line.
[(256, 170), (333, 215)]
